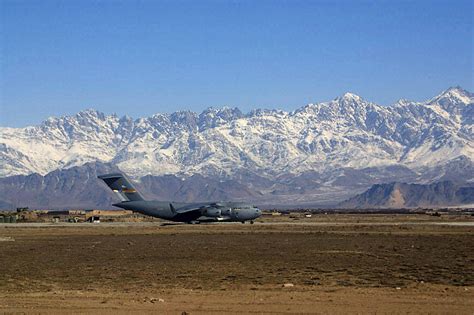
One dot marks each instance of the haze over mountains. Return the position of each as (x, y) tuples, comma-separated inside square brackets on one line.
[(318, 154), (402, 195)]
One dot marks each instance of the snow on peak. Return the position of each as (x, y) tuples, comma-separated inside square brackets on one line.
[(347, 132), (350, 97), (90, 111), (403, 102), (453, 94)]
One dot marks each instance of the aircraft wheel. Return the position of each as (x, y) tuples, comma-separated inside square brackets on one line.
[(251, 222), (243, 222)]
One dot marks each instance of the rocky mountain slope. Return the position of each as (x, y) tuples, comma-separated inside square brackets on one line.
[(78, 187), (318, 154), (403, 195), (73, 188)]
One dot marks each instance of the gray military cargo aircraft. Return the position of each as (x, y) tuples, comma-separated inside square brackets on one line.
[(131, 199)]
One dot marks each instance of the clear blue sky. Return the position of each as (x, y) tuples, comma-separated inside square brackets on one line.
[(143, 57)]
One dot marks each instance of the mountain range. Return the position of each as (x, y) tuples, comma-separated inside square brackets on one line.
[(403, 195), (318, 154)]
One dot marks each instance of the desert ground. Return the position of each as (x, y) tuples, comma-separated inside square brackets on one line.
[(323, 264)]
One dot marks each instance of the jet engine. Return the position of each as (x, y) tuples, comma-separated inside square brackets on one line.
[(212, 212), (226, 211)]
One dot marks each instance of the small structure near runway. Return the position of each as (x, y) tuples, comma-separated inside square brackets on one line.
[(73, 216), (94, 219)]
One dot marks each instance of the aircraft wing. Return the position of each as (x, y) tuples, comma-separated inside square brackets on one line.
[(210, 212), (196, 207)]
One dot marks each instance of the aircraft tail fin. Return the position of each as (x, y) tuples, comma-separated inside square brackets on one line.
[(121, 185)]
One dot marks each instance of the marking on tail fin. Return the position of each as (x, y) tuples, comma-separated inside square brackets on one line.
[(120, 195), (121, 186), (131, 190)]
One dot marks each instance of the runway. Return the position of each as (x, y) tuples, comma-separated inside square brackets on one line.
[(257, 223)]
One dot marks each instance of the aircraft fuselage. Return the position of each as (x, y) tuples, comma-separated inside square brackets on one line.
[(174, 211), (226, 211)]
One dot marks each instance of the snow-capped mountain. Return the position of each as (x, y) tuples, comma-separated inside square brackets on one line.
[(327, 145), (346, 132)]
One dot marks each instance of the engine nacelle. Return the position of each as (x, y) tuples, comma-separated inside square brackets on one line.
[(226, 211), (212, 212)]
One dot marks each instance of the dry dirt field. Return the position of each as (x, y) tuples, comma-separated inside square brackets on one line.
[(335, 263)]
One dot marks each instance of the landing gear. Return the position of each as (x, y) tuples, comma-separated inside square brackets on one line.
[(243, 222), (251, 221)]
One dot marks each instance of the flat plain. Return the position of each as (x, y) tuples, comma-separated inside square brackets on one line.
[(322, 264)]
